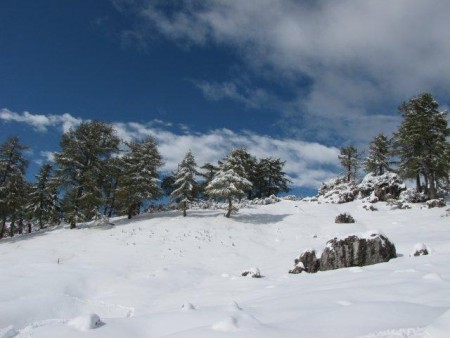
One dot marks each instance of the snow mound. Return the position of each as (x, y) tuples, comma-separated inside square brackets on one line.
[(252, 272), (85, 323), (397, 333), (420, 249), (187, 307), (227, 325), (8, 332), (440, 328)]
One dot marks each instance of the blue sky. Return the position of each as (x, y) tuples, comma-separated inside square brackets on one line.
[(291, 79)]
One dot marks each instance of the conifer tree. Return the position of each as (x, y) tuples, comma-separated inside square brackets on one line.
[(185, 185), (377, 160), (12, 181), (43, 198), (271, 180), (82, 166), (421, 142), (140, 178), (230, 181), (208, 171), (350, 158)]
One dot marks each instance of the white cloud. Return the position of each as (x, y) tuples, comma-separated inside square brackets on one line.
[(308, 164), (41, 122), (361, 57)]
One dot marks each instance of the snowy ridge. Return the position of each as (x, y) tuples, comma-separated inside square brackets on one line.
[(163, 274)]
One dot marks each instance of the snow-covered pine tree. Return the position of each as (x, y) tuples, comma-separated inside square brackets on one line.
[(350, 160), (43, 198), (377, 160), (229, 182), (245, 163), (208, 170), (140, 178), (421, 142), (12, 181), (185, 185), (82, 166), (271, 180)]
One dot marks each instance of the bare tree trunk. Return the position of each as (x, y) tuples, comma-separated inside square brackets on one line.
[(418, 185), (11, 228), (29, 227), (2, 231), (184, 208), (432, 192), (230, 208)]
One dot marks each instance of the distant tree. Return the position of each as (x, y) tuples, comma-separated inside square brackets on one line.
[(421, 142), (167, 183), (185, 185), (377, 160), (43, 202), (230, 181), (82, 164), (350, 160), (140, 178), (245, 164), (270, 178), (208, 170), (12, 181)]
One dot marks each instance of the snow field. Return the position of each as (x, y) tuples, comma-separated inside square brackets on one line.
[(164, 275)]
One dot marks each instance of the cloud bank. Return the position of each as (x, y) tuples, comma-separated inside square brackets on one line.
[(362, 58), (307, 163)]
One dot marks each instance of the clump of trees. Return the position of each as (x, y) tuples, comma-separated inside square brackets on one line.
[(97, 175), (418, 150)]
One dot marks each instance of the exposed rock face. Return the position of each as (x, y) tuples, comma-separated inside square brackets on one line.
[(355, 251), (369, 249), (381, 188), (307, 261)]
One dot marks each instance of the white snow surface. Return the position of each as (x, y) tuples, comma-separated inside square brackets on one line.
[(164, 275)]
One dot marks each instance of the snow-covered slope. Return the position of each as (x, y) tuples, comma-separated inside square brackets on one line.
[(164, 275)]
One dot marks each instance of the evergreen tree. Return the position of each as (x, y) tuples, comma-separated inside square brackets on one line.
[(245, 163), (208, 171), (230, 181), (377, 161), (114, 168), (167, 183), (43, 203), (421, 142), (82, 164), (12, 181), (140, 178), (350, 158), (270, 178), (185, 186)]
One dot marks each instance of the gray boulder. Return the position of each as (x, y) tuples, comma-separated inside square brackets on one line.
[(351, 251), (307, 262), (356, 251)]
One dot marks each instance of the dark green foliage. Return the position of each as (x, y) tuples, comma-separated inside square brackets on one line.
[(350, 160), (82, 164), (269, 178), (377, 161), (421, 143), (140, 178), (43, 203), (167, 184), (13, 188)]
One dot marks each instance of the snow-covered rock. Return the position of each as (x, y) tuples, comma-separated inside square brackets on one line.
[(412, 196), (436, 203), (382, 187), (371, 248), (337, 190), (87, 322), (420, 249), (252, 272), (366, 249)]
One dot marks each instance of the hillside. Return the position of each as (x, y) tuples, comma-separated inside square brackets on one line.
[(164, 275)]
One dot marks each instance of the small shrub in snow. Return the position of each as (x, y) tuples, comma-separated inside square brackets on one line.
[(252, 272), (436, 203), (369, 207), (338, 190), (420, 249), (394, 204), (344, 218)]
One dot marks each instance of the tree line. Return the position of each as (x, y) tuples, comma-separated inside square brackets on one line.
[(418, 150), (97, 175)]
